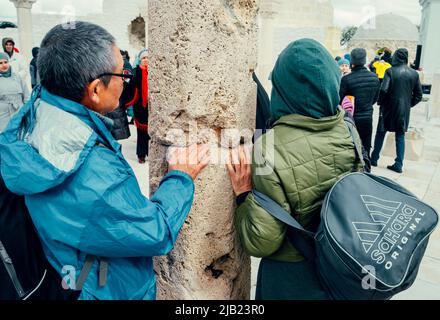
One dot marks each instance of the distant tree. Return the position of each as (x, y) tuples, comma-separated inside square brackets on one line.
[(347, 34)]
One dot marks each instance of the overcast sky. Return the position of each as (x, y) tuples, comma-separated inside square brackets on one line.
[(347, 12)]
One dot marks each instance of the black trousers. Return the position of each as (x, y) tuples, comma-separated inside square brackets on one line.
[(143, 139), (364, 126)]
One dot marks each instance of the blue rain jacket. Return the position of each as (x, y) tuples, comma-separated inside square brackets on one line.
[(84, 198)]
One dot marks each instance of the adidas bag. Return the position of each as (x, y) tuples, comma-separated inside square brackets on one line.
[(371, 238)]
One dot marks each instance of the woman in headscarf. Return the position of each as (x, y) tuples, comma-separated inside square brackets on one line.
[(16, 60), (308, 149), (138, 93), (13, 91)]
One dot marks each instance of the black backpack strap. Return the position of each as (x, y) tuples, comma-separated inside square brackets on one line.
[(9, 266), (357, 146), (295, 236), (349, 122)]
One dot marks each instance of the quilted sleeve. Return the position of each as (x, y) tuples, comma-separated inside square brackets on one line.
[(260, 233)]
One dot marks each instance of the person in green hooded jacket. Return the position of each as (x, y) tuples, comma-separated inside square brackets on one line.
[(295, 163)]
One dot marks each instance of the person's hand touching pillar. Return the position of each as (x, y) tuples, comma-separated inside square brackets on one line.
[(191, 160), (239, 168)]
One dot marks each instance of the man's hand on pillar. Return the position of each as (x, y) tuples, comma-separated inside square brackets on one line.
[(191, 160)]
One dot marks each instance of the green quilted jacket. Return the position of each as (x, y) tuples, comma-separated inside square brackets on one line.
[(308, 156)]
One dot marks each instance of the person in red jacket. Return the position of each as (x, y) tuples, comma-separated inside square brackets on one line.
[(138, 93)]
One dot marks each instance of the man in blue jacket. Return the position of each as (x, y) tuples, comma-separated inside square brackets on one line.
[(82, 195)]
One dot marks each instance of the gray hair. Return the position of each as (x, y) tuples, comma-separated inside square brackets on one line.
[(70, 58)]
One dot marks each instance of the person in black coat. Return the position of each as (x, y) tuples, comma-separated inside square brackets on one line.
[(364, 85), (262, 120), (35, 78), (121, 129), (401, 90)]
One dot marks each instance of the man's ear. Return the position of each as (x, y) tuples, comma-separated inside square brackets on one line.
[(93, 91)]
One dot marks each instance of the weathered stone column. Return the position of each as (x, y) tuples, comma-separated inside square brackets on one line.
[(24, 17), (268, 12), (202, 54)]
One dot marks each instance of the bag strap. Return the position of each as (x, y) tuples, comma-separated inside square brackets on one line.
[(298, 240), (87, 267), (103, 270), (357, 146)]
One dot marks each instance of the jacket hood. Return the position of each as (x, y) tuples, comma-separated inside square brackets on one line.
[(4, 40), (46, 142), (305, 81), (35, 51), (400, 57), (312, 124)]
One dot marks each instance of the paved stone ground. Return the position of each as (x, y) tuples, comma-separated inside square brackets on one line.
[(421, 177)]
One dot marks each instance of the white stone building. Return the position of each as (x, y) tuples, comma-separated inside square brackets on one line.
[(125, 20), (386, 30), (284, 21)]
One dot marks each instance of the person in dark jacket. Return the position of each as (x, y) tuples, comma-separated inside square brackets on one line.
[(401, 90), (262, 119), (35, 78), (121, 129), (364, 86)]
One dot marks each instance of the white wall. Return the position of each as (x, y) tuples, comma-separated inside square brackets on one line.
[(430, 39), (116, 18)]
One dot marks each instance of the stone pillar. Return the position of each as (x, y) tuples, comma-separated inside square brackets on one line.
[(202, 55), (429, 27), (268, 12), (25, 26)]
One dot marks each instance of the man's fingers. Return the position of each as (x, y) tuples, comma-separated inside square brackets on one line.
[(204, 156), (192, 154), (203, 152), (173, 156)]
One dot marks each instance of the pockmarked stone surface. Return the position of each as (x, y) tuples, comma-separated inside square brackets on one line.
[(201, 58)]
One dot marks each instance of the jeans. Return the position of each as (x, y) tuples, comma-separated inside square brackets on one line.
[(400, 147)]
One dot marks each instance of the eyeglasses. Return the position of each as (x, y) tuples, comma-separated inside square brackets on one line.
[(126, 75)]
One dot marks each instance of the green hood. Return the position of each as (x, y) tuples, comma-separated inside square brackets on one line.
[(312, 124), (305, 81)]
